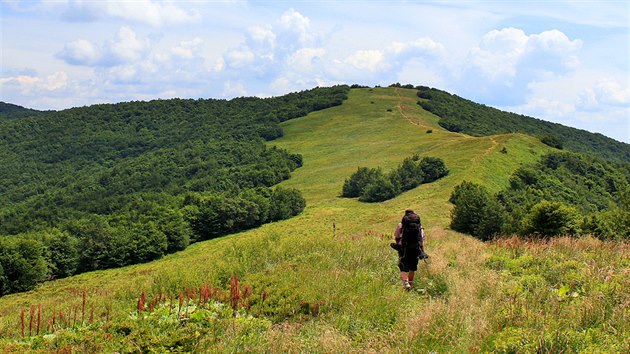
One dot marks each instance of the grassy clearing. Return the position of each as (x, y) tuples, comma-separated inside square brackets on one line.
[(319, 289)]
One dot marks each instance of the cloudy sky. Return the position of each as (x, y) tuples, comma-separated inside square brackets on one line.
[(562, 61)]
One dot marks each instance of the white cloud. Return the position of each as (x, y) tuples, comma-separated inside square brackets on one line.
[(125, 47), (425, 47), (306, 58), (607, 91), (366, 59), (294, 24), (234, 89), (80, 52), (29, 85), (500, 69), (188, 49), (153, 13)]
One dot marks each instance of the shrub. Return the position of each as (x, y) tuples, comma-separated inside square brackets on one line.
[(551, 219), (379, 190), (552, 141), (433, 169), (476, 212), (353, 187), (371, 185), (408, 175), (22, 264), (285, 203)]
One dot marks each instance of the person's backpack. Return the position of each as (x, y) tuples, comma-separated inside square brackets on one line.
[(411, 231)]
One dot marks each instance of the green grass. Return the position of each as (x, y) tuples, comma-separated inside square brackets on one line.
[(319, 289)]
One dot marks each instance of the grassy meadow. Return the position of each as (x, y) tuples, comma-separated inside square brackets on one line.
[(326, 281)]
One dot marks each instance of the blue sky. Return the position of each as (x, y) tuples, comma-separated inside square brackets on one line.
[(561, 61)]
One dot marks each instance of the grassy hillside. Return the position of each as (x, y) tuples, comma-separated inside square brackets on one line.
[(326, 281), (462, 115)]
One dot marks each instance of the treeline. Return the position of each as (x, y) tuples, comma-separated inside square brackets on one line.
[(144, 229), (124, 183), (461, 115), (563, 194), (11, 111), (373, 185)]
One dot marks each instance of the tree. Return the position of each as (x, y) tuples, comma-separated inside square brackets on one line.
[(217, 215), (379, 190), (408, 175), (353, 187), (433, 169), (548, 219), (23, 264), (62, 253), (286, 203), (476, 212)]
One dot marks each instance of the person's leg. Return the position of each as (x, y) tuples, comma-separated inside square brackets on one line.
[(404, 276), (411, 275)]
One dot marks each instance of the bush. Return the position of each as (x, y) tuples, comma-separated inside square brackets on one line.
[(433, 169), (552, 141), (286, 203), (371, 185), (408, 175), (548, 219), (62, 253), (379, 190), (476, 212), (353, 187), (22, 264)]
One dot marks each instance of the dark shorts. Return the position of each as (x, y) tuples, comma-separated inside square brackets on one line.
[(408, 259)]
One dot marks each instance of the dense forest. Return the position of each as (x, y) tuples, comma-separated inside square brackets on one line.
[(10, 111), (564, 193), (461, 115), (115, 184)]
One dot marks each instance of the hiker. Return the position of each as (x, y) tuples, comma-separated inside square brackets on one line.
[(409, 236)]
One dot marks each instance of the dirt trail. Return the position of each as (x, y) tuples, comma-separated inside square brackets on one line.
[(402, 108)]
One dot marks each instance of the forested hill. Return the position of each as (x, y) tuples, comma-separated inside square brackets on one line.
[(115, 184), (10, 111), (461, 115)]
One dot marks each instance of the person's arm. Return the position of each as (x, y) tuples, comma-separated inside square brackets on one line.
[(398, 232)]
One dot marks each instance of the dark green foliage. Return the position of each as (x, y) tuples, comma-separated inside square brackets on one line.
[(460, 115), (552, 141), (548, 219), (433, 169), (62, 253), (476, 212), (22, 264), (562, 194), (409, 174), (613, 223), (379, 189), (285, 203), (596, 189), (217, 215), (353, 187), (372, 185), (110, 180), (11, 111), (590, 185)]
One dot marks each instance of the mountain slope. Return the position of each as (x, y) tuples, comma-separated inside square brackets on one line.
[(462, 115), (325, 280), (12, 111)]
